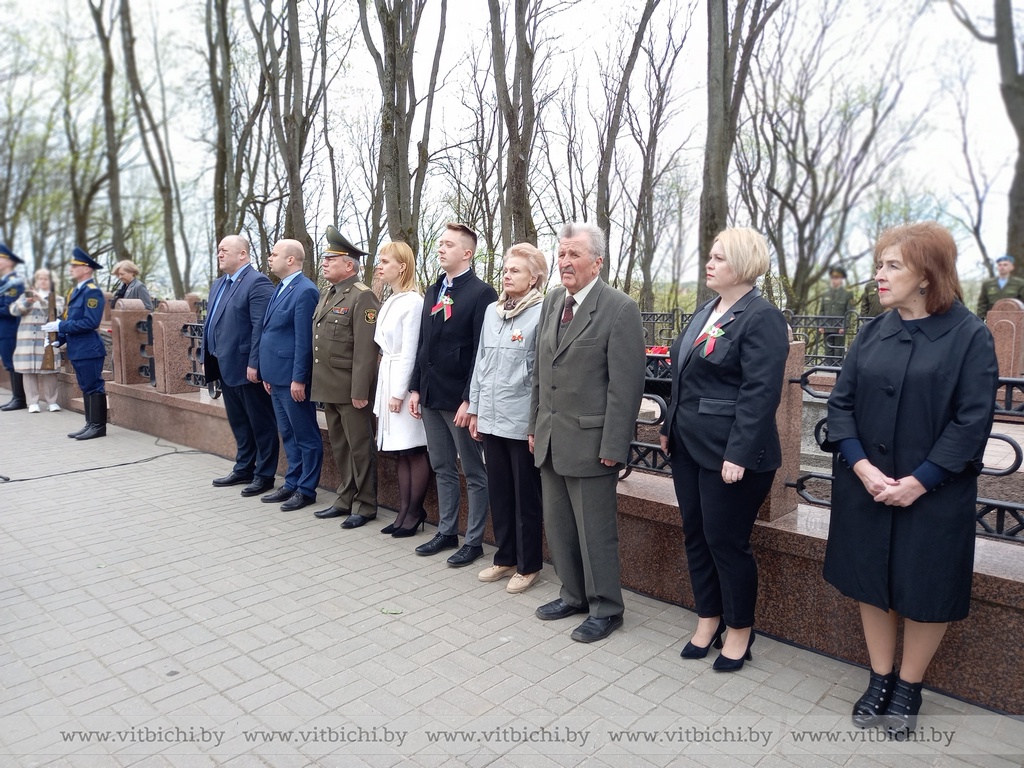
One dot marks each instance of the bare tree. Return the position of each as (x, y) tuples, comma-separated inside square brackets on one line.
[(730, 50), (818, 144), (1004, 37), (615, 77), (294, 97), (399, 26), (649, 219)]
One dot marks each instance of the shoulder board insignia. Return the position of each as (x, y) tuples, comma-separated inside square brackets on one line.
[(91, 286), (370, 316), (12, 292), (92, 303), (360, 285)]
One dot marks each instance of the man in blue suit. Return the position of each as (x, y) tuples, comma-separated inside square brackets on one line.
[(11, 288), (231, 354), (82, 316), (286, 367)]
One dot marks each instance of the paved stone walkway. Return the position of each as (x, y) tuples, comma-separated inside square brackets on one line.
[(149, 619)]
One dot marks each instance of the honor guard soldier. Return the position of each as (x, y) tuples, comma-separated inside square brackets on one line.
[(345, 376), (11, 287), (85, 349), (1005, 286)]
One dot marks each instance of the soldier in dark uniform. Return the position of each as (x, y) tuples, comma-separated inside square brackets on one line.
[(82, 316), (344, 377), (869, 304), (11, 287), (1005, 286)]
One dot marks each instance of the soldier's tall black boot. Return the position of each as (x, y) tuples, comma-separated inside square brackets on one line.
[(87, 403), (17, 401), (97, 426)]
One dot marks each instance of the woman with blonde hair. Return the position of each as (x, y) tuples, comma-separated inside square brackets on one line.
[(728, 368), (33, 308), (499, 408), (131, 287), (397, 335)]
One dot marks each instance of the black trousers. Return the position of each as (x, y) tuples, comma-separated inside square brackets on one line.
[(513, 489), (718, 518), (250, 413)]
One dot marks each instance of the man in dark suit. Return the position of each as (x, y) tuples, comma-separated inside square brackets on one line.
[(587, 387), (453, 312), (11, 288), (231, 354), (82, 316), (344, 376), (286, 368)]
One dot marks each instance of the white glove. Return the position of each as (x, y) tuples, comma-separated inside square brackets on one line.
[(51, 327)]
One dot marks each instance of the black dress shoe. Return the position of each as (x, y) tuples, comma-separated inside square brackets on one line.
[(596, 629), (297, 501), (725, 664), (465, 556), (326, 514), (281, 494), (557, 609), (355, 521), (258, 485), (437, 544), (691, 651), (235, 478)]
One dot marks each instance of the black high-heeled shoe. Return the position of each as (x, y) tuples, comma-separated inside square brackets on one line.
[(724, 664), (900, 716), (404, 533), (691, 651), (870, 708), (389, 528)]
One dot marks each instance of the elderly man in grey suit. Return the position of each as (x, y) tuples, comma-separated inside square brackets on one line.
[(587, 385)]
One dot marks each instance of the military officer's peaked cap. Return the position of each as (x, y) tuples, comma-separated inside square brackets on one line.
[(337, 245), (83, 259), (837, 271), (5, 251)]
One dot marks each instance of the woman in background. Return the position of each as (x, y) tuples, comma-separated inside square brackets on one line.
[(33, 308), (131, 287), (499, 408), (908, 420), (397, 334), (727, 374)]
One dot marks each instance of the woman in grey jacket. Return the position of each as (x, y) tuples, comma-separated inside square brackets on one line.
[(499, 407)]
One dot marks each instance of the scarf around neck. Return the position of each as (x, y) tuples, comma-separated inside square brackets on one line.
[(532, 297)]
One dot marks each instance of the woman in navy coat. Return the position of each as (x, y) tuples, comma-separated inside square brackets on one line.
[(728, 370), (908, 419)]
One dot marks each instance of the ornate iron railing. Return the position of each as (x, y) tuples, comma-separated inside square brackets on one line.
[(194, 333), (147, 369)]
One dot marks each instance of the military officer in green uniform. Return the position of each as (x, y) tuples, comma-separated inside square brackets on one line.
[(836, 302), (869, 304), (344, 377), (1004, 286)]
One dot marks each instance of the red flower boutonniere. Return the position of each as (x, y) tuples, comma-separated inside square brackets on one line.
[(444, 304), (517, 334), (709, 337)]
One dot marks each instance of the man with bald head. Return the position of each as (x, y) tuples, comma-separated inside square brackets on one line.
[(286, 367), (231, 354)]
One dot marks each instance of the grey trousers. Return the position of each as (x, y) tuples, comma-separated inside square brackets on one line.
[(446, 443)]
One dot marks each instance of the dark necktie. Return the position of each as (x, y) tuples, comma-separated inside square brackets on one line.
[(570, 302)]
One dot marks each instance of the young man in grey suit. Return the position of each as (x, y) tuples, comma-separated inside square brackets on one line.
[(587, 386)]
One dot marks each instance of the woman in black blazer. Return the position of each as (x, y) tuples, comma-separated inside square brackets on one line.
[(728, 370)]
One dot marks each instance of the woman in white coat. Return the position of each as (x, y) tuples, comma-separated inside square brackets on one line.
[(397, 334)]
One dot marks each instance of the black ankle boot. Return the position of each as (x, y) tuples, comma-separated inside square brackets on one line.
[(870, 708), (901, 714)]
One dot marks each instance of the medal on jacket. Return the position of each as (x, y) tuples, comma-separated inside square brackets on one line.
[(444, 304), (708, 337)]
